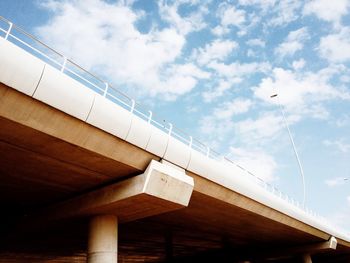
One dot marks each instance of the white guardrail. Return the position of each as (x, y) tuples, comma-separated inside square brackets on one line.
[(22, 39)]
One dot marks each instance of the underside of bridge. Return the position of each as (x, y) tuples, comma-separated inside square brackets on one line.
[(58, 174)]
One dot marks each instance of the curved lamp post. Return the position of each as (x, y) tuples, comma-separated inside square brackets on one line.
[(293, 144)]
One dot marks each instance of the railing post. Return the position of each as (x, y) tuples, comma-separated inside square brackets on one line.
[(150, 116), (132, 105), (64, 64), (170, 129), (191, 141), (9, 30), (208, 151), (106, 90)]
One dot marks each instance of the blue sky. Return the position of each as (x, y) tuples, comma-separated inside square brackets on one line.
[(210, 67)]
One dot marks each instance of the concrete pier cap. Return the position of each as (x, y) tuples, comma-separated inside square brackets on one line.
[(160, 180)]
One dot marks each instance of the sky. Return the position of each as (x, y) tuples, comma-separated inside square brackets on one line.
[(210, 67)]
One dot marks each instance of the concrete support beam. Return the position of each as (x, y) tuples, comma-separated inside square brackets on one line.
[(161, 188), (103, 239)]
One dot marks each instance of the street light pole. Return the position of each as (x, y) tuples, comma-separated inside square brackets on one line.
[(293, 145)]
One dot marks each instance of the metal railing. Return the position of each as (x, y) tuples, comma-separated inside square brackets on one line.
[(19, 37)]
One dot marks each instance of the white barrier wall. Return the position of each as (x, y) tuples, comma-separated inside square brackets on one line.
[(19, 69), (198, 163), (110, 117), (140, 132), (158, 142), (178, 153), (64, 93)]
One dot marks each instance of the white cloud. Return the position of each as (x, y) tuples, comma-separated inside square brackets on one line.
[(263, 4), (231, 16), (288, 48), (215, 130), (265, 126), (216, 50), (285, 12), (343, 121), (106, 40), (340, 144), (331, 11), (299, 64), (256, 161), (220, 30), (336, 181), (249, 131), (182, 79), (256, 42), (300, 92), (236, 71), (256, 133), (300, 34), (251, 53), (220, 121), (278, 13), (189, 69), (228, 109), (336, 47), (217, 92), (293, 43), (184, 25)]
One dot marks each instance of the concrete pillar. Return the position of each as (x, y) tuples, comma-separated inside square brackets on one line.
[(307, 258), (103, 239)]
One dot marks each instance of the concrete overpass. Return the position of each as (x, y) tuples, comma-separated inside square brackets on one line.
[(84, 171)]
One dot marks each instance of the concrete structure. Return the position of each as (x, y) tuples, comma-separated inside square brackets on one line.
[(87, 177), (103, 239)]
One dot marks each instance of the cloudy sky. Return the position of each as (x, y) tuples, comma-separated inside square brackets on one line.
[(210, 67)]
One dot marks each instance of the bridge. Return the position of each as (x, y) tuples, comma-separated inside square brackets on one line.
[(88, 175)]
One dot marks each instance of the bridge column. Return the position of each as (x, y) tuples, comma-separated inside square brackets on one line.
[(103, 239), (307, 258)]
